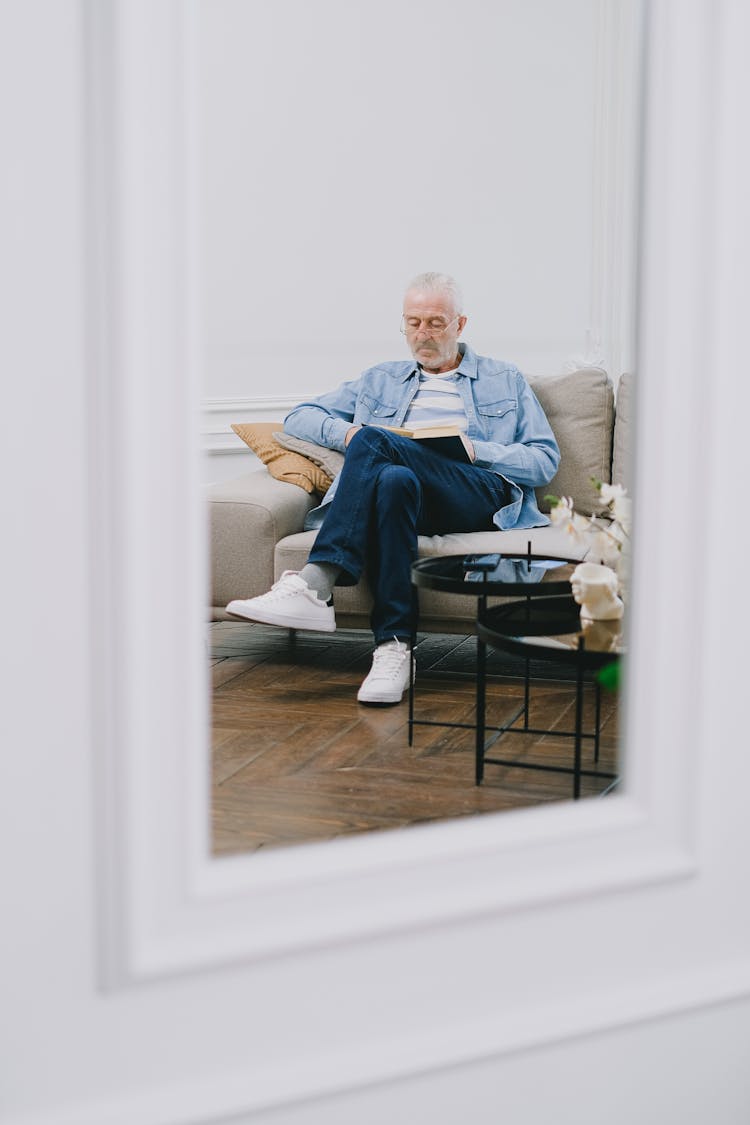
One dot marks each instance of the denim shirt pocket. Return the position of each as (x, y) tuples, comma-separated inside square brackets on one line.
[(498, 419), (369, 408)]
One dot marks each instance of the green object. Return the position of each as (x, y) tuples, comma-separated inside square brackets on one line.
[(608, 677)]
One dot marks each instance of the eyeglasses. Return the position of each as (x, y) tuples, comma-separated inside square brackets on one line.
[(433, 326)]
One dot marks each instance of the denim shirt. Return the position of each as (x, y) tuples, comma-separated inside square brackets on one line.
[(506, 424)]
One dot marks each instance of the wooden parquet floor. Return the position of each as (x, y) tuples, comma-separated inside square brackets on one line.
[(296, 759)]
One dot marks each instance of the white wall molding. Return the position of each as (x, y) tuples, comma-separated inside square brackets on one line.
[(143, 345), (610, 337), (264, 906), (250, 406), (224, 1098), (477, 895), (218, 414), (400, 977)]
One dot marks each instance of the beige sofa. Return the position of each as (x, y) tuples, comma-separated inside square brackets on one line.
[(257, 521)]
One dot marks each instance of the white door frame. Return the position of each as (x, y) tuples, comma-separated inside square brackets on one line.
[(169, 910)]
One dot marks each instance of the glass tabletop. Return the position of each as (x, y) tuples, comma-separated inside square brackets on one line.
[(552, 629), (500, 574)]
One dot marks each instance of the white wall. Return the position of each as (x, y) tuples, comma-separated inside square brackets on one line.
[(594, 982), (345, 147)]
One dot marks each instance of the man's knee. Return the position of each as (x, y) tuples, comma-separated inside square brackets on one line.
[(382, 441), (396, 484)]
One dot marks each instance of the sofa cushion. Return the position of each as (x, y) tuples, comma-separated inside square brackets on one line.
[(580, 409), (351, 601), (282, 463)]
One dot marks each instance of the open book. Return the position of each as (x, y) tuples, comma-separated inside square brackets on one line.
[(448, 440)]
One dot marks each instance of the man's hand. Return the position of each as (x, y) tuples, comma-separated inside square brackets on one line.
[(350, 434)]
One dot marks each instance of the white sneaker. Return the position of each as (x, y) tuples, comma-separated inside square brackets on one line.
[(388, 678), (290, 603)]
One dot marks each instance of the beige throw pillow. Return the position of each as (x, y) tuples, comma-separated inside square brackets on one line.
[(283, 464)]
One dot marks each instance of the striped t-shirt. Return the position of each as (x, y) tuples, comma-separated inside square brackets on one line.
[(436, 403)]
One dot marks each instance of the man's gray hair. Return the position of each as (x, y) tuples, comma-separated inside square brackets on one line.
[(439, 283)]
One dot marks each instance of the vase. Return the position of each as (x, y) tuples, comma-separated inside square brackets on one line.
[(595, 589)]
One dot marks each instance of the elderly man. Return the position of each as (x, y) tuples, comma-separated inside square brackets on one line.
[(392, 488)]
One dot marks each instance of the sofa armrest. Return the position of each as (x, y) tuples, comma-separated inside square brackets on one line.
[(247, 516)]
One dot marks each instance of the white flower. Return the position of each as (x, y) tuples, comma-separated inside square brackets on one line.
[(607, 533), (618, 533), (606, 536), (562, 512), (622, 510), (611, 493), (603, 546)]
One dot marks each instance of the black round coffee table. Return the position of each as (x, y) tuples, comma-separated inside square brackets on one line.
[(523, 576), (551, 629), (513, 575)]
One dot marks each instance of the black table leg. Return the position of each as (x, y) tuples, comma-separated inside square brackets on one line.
[(598, 720), (578, 726), (411, 685), (481, 704)]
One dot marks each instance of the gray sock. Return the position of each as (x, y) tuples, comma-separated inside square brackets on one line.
[(321, 577)]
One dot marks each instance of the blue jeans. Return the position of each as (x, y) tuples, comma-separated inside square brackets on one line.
[(391, 490)]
